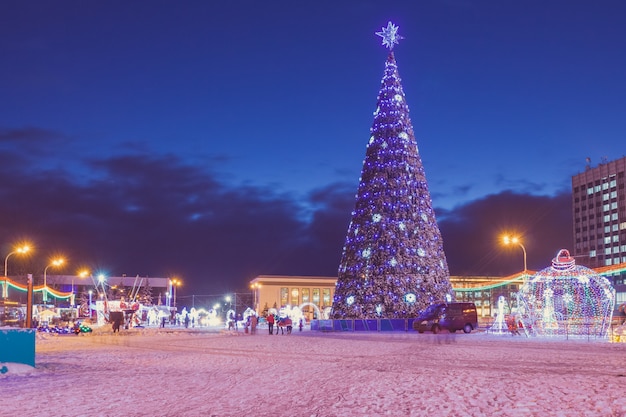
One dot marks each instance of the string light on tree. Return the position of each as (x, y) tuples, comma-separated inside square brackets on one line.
[(393, 264)]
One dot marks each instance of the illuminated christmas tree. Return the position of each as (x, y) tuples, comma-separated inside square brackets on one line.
[(393, 263)]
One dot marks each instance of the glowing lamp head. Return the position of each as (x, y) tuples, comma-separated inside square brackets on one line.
[(510, 240), (23, 249)]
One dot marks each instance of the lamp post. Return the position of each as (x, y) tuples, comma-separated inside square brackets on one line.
[(81, 274), (508, 240), (90, 294), (55, 262), (102, 281), (255, 288), (21, 249), (228, 299), (175, 282), (514, 240)]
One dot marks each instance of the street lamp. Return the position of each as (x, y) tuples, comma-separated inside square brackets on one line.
[(54, 262), (21, 249), (81, 274), (514, 240), (90, 294), (175, 282), (255, 288)]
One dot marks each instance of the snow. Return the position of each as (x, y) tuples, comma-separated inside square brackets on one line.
[(212, 372)]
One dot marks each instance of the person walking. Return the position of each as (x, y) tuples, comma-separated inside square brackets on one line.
[(270, 323)]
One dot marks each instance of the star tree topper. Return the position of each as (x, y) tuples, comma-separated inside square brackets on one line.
[(390, 35)]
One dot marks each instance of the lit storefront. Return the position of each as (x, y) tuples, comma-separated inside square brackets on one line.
[(314, 295)]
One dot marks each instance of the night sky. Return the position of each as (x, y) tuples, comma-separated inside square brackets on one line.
[(215, 141)]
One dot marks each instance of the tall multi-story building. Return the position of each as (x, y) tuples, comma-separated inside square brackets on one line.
[(599, 208)]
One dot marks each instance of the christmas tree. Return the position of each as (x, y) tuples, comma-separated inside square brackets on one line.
[(393, 263)]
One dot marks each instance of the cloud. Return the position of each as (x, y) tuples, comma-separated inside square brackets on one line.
[(29, 134), (502, 181), (29, 145), (472, 232), (155, 215)]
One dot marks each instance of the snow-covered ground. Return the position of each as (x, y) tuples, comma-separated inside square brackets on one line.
[(192, 372)]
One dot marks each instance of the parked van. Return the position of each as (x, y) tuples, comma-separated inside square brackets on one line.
[(451, 317)]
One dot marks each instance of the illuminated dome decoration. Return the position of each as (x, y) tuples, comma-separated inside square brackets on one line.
[(567, 300), (393, 264)]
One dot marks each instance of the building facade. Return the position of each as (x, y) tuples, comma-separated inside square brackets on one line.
[(162, 290), (599, 213), (314, 295)]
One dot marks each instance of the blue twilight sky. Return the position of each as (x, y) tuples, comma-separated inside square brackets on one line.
[(238, 128)]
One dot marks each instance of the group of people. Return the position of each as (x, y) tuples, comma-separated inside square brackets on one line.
[(513, 325), (282, 324), (250, 325)]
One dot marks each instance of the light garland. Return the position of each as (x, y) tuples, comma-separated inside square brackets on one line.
[(393, 264), (8, 283), (567, 299)]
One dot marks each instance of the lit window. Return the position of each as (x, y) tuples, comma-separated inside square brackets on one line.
[(592, 253), (326, 296)]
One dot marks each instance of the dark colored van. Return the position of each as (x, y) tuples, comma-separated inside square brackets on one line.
[(451, 317)]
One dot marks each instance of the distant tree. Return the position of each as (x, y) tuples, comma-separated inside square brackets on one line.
[(83, 303), (145, 294)]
